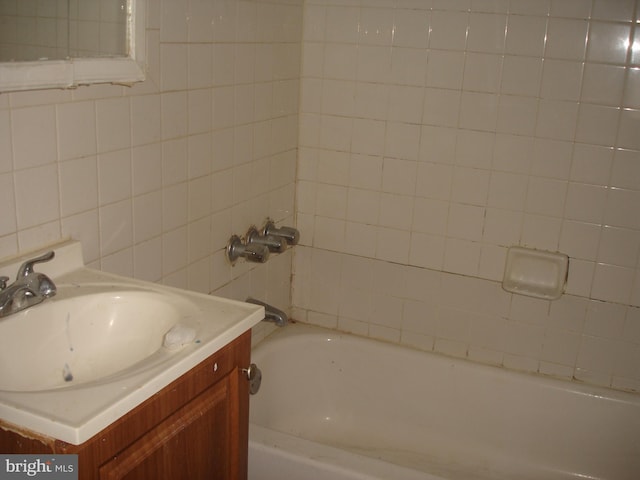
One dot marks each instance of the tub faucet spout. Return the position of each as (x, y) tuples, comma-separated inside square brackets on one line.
[(271, 314)]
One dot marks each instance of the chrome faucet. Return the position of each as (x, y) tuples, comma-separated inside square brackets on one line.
[(289, 234), (30, 288), (271, 314), (252, 253), (274, 244)]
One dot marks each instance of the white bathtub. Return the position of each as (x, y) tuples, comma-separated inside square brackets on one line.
[(335, 406)]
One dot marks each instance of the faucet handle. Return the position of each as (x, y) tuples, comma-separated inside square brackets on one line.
[(274, 244), (253, 253), (3, 282), (289, 234), (27, 267)]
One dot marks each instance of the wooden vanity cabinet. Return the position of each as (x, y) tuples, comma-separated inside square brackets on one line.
[(195, 428)]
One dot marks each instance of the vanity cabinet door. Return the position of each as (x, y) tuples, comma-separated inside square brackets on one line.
[(201, 440), (185, 446)]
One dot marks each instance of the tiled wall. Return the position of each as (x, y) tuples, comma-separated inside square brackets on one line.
[(436, 133), (155, 178)]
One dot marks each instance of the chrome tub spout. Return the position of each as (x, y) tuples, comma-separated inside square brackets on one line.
[(271, 314)]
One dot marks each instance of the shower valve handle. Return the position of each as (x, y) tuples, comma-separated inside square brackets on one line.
[(290, 234), (252, 253), (274, 244)]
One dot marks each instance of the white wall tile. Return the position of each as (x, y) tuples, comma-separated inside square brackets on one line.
[(375, 26), (621, 205), (448, 30), (566, 38), (445, 69), (430, 216), (470, 185), (482, 72), (396, 211), (502, 227), (411, 28), (147, 222), (374, 63), (8, 222), (441, 107), (427, 250), (434, 180), (76, 130), (199, 28), (399, 176), (627, 132), (521, 75), (33, 210), (571, 8), (516, 115), (114, 176), (597, 124), (507, 191), (113, 124), (116, 226), (591, 164), (603, 84), (27, 124), (546, 196), (465, 222), (174, 114), (478, 111), (78, 185), (556, 119), (613, 283), (608, 42), (462, 256), (542, 231), (561, 80), (525, 35), (437, 144), (393, 245), (619, 246), (145, 119), (486, 32), (580, 239), (626, 169), (402, 140), (173, 66)]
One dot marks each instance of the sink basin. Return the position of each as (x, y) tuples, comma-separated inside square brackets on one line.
[(75, 363), (84, 335)]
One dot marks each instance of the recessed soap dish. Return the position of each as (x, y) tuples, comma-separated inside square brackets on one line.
[(535, 273)]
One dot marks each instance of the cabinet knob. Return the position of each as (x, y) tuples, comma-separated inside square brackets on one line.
[(254, 376)]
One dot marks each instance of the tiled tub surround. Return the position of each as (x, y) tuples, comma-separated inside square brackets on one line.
[(155, 178), (435, 134)]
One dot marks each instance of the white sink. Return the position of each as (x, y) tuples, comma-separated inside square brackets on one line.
[(85, 334), (77, 362)]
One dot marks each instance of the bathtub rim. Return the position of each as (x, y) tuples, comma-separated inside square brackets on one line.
[(297, 328)]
